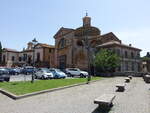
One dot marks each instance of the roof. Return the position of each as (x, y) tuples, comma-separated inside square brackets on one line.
[(118, 44), (87, 30), (63, 31), (10, 50), (45, 45), (107, 34), (31, 50)]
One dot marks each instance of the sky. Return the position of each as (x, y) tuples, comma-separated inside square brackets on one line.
[(23, 20)]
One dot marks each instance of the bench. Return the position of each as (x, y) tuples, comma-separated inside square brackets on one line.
[(121, 87), (105, 100), (127, 80)]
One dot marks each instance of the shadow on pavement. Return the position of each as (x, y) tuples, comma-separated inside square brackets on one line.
[(101, 110)]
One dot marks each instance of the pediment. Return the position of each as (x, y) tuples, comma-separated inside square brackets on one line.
[(109, 37), (62, 31)]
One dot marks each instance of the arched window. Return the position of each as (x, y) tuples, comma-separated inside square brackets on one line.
[(62, 43), (79, 43)]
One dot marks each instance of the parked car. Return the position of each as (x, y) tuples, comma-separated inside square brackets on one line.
[(13, 71), (28, 70), (57, 73), (43, 74), (76, 72), (4, 75)]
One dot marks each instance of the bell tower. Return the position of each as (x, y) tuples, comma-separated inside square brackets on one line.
[(86, 21)]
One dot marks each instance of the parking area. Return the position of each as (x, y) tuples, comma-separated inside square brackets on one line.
[(20, 77), (79, 99)]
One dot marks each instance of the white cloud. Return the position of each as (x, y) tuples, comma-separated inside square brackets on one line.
[(139, 38)]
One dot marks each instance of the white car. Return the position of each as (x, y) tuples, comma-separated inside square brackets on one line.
[(76, 72), (43, 74)]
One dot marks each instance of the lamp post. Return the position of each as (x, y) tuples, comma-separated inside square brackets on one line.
[(34, 41)]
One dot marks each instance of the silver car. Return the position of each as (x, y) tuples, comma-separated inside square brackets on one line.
[(43, 74)]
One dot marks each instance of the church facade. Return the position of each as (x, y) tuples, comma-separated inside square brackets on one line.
[(76, 48)]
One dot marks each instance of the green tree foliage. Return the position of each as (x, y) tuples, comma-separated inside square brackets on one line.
[(145, 58), (106, 61)]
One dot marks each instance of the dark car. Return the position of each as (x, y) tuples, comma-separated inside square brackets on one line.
[(4, 75), (28, 70), (13, 71)]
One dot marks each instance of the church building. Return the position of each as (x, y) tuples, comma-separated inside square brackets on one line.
[(76, 47)]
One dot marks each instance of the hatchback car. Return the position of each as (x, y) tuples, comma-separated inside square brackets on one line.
[(43, 74), (57, 73)]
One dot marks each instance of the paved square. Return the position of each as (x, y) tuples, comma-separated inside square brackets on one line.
[(79, 99)]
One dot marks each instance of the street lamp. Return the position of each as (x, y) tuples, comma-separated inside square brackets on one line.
[(34, 41)]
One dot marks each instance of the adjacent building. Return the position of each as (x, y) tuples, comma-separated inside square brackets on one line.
[(40, 55)]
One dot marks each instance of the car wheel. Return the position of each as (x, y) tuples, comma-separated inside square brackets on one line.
[(43, 77), (35, 76), (7, 80), (81, 75), (69, 74)]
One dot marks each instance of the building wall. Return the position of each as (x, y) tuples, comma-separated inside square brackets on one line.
[(129, 62), (8, 58), (25, 61), (38, 50), (65, 51)]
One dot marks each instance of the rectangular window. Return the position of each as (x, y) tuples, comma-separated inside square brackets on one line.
[(20, 59), (50, 50), (126, 66), (24, 57), (132, 66), (13, 58), (132, 55), (126, 54), (118, 52)]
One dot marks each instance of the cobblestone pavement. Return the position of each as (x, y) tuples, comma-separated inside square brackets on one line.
[(79, 99)]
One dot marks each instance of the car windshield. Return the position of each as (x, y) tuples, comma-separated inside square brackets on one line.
[(46, 71), (30, 68), (58, 70), (74, 69)]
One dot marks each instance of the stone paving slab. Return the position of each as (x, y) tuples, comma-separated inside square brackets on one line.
[(135, 99)]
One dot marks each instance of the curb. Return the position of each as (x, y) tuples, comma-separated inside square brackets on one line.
[(15, 97)]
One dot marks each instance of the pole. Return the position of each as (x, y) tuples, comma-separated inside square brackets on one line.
[(88, 58), (34, 41), (32, 79)]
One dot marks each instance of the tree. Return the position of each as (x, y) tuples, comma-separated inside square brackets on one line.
[(106, 61), (148, 54), (1, 49)]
